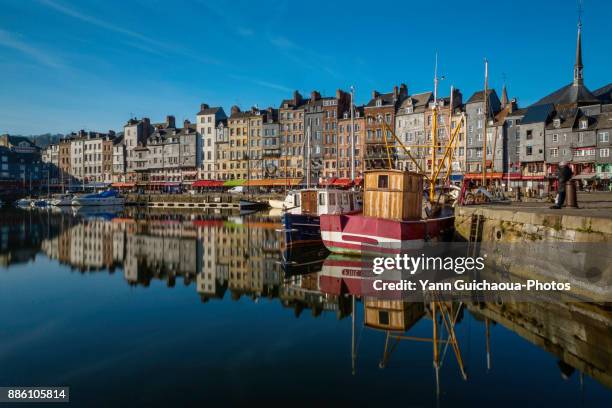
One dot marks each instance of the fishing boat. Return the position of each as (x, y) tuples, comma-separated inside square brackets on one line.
[(301, 219), (391, 221), (105, 198)]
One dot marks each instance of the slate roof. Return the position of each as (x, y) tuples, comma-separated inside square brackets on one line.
[(387, 99), (517, 112), (604, 94), (538, 113), (479, 96), (570, 94), (418, 100), (209, 111)]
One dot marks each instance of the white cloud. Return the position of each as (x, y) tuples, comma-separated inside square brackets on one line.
[(9, 40)]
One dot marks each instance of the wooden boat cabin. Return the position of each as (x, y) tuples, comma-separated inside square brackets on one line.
[(393, 315), (393, 194)]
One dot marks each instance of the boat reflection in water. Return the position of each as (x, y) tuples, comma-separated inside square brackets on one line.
[(244, 259)]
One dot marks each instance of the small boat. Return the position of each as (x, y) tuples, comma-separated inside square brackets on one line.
[(60, 200), (24, 203), (246, 205), (40, 203), (277, 204), (391, 221), (105, 198), (303, 208)]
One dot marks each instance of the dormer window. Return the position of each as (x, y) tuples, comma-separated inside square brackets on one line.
[(379, 102), (409, 109), (584, 124), (557, 123), (345, 115)]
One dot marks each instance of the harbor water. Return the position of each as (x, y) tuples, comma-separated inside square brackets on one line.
[(158, 308)]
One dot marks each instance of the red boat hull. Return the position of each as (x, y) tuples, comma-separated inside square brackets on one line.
[(357, 234)]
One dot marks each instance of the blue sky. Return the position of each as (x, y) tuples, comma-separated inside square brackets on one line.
[(67, 65)]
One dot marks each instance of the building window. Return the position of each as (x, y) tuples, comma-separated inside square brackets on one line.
[(604, 137), (529, 134), (584, 124), (555, 138), (554, 152), (528, 150), (604, 152), (557, 123)]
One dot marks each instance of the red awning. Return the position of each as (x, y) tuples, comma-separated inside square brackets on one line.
[(122, 184), (207, 183), (339, 182)]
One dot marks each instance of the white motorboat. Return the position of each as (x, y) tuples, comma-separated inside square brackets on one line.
[(277, 204), (106, 198), (24, 203), (60, 200)]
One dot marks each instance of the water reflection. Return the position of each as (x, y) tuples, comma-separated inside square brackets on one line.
[(223, 257)]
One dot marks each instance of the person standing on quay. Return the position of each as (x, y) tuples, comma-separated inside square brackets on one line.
[(564, 174)]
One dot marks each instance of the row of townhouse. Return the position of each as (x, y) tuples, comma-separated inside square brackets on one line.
[(523, 145)]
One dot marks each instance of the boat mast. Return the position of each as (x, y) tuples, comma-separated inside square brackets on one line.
[(352, 134), (484, 128), (286, 158), (308, 157), (434, 131)]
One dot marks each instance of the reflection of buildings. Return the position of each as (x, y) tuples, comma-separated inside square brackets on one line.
[(23, 234), (577, 334), (241, 256), (237, 254)]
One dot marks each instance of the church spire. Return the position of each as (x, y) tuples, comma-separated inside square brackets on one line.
[(504, 100), (578, 80)]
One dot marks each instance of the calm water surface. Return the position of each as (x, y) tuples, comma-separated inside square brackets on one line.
[(158, 309)]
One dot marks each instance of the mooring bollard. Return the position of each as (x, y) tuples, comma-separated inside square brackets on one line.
[(572, 196)]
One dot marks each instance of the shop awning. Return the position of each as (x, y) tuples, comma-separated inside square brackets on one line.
[(339, 182), (123, 185), (490, 176), (234, 183), (165, 184), (585, 176), (207, 183), (274, 182)]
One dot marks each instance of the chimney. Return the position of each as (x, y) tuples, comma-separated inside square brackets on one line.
[(457, 98), (395, 92), (339, 94), (186, 124), (297, 98), (315, 95), (170, 123), (235, 109), (374, 94), (204, 106)]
